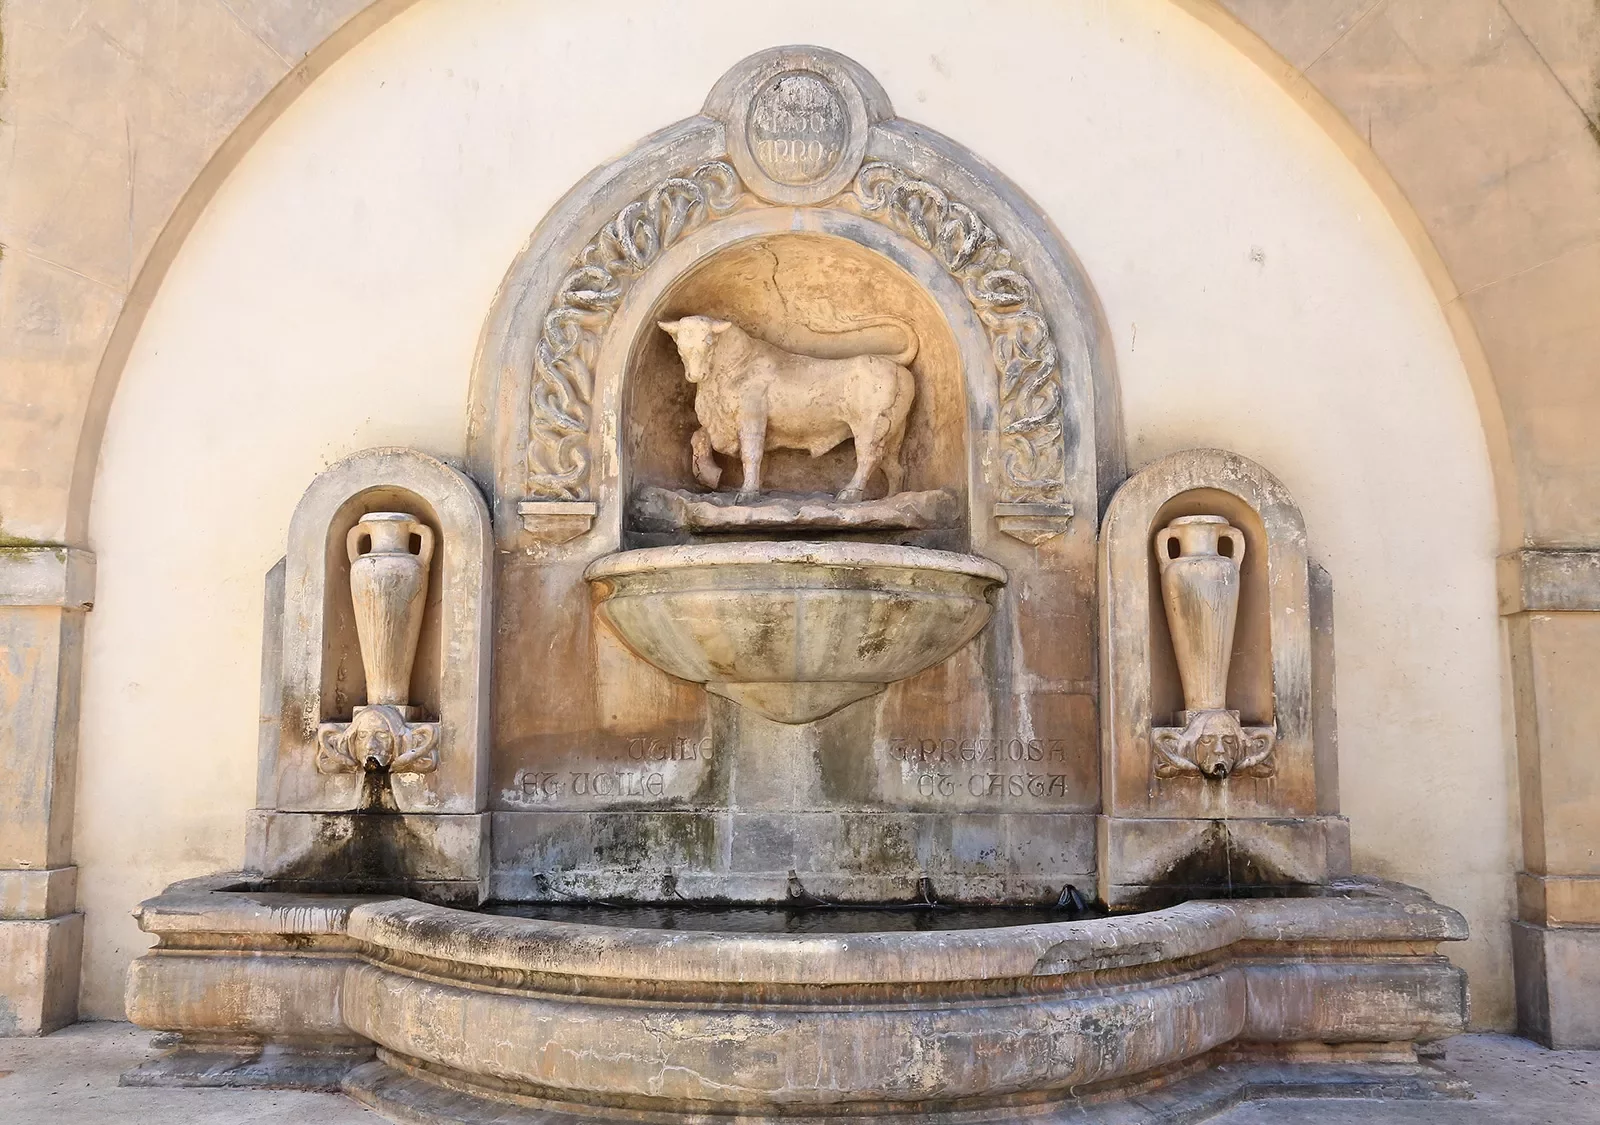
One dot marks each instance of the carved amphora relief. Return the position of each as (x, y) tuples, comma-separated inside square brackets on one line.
[(1200, 559), (388, 589), (382, 660)]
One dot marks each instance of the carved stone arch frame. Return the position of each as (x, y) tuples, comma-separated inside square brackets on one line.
[(982, 400), (633, 212)]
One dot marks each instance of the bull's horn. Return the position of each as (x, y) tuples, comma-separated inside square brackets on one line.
[(721, 326), (670, 327)]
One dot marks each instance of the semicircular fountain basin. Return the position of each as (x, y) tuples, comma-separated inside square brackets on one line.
[(482, 1017), (795, 631)]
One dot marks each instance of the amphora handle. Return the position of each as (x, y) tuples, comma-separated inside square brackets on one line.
[(421, 530), (1169, 534), (1236, 537), (1164, 538)]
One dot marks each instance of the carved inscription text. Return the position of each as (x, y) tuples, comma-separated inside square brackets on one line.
[(983, 767), (797, 128), (647, 774)]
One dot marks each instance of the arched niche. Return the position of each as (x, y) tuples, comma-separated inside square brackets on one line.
[(320, 673), (804, 281)]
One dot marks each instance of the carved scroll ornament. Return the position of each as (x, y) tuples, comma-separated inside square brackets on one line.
[(1033, 449), (563, 373)]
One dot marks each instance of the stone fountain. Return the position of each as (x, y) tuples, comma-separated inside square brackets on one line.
[(793, 709)]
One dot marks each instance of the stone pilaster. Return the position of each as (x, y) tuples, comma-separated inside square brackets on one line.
[(44, 594), (1551, 601)]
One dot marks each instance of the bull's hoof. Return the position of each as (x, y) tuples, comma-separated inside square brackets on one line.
[(851, 495), (746, 496)]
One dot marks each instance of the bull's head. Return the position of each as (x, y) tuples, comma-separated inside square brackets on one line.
[(695, 337)]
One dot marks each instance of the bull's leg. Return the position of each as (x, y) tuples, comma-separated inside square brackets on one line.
[(706, 469), (894, 468), (752, 447), (870, 441)]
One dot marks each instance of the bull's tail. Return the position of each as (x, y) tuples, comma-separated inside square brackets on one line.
[(864, 336)]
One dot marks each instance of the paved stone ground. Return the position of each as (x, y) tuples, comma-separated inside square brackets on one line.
[(70, 1078), (1517, 1083)]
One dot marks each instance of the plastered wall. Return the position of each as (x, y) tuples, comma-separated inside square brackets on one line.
[(1256, 294)]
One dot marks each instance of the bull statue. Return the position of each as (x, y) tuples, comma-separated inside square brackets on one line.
[(751, 396)]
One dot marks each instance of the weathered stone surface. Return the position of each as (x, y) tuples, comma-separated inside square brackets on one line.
[(323, 664), (1147, 861), (1558, 772), (1269, 673), (1549, 581), (1558, 900), (441, 857), (717, 801), (851, 856), (44, 594), (45, 893), (54, 576), (290, 32), (270, 1018), (1209, 758)]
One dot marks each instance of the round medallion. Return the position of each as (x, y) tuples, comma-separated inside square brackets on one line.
[(797, 128)]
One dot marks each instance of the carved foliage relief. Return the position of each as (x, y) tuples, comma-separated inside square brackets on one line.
[(563, 382), (1025, 356)]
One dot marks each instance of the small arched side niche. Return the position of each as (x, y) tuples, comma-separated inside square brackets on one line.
[(1173, 824), (321, 672), (1268, 680), (810, 294)]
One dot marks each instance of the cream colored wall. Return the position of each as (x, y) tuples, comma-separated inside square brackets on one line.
[(1257, 295)]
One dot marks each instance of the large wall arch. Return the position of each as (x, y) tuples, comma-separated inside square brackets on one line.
[(60, 438), (58, 433)]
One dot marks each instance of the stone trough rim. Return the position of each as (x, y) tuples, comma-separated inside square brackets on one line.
[(645, 560), (1357, 911), (562, 948)]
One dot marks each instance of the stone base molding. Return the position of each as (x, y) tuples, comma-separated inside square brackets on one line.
[(1558, 977), (1559, 900), (1193, 1092), (1331, 993), (39, 965), (44, 594)]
